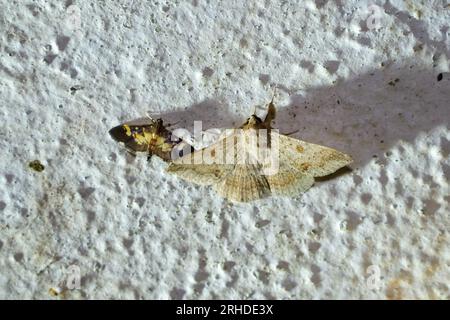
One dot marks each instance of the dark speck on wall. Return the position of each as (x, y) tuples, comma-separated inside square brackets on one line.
[(36, 165)]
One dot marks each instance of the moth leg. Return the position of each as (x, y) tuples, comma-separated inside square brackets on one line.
[(149, 153)]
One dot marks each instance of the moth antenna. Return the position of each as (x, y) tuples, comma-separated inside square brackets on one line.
[(291, 133), (152, 114), (173, 124), (271, 112)]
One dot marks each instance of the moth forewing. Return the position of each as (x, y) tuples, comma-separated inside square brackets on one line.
[(311, 158), (213, 154), (123, 134)]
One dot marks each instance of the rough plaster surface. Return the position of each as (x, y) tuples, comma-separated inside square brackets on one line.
[(70, 70)]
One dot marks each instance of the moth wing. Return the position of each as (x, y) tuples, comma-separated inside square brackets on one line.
[(206, 166), (245, 183), (202, 174), (289, 181), (311, 159), (299, 162), (122, 134)]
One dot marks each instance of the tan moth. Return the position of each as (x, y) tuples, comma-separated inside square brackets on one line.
[(237, 168)]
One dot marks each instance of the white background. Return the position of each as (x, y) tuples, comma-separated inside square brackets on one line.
[(133, 231)]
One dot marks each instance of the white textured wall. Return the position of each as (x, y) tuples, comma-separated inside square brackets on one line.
[(133, 231)]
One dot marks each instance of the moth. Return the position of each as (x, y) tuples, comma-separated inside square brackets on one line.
[(151, 136), (244, 177)]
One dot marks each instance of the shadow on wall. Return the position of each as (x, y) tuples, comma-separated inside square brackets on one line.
[(213, 114), (364, 116)]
